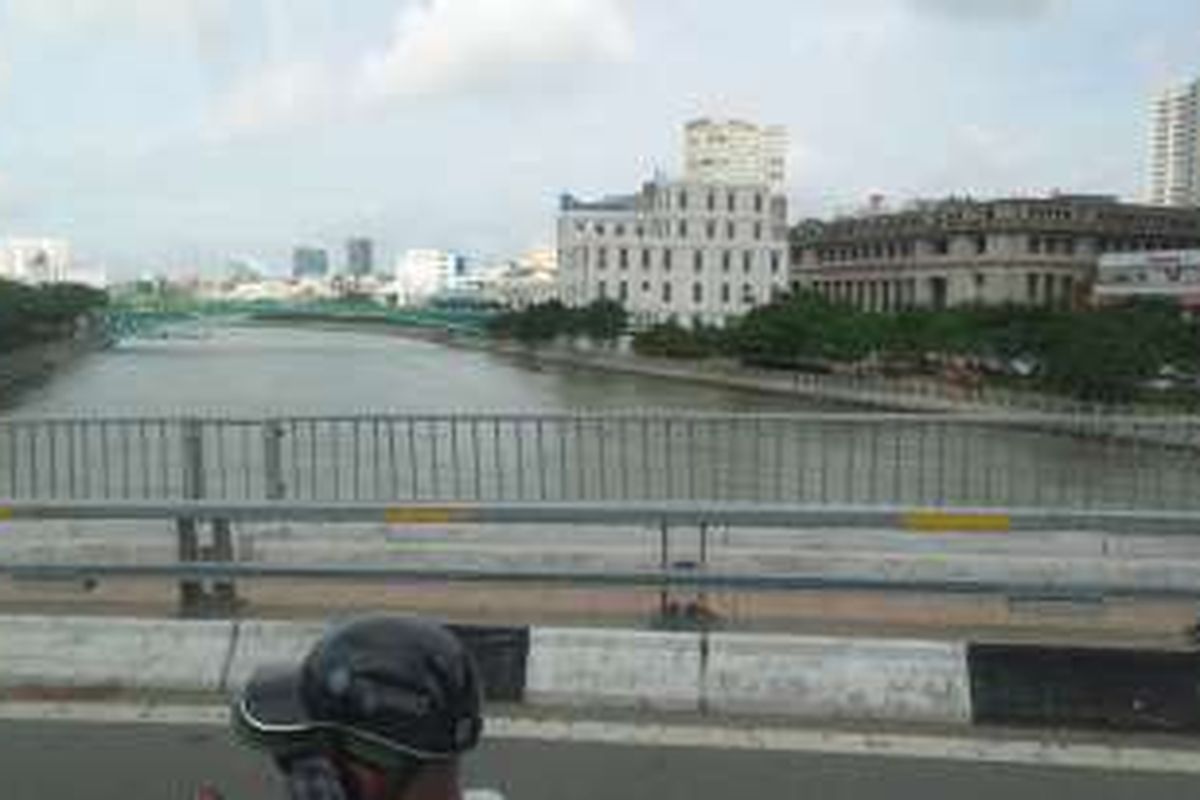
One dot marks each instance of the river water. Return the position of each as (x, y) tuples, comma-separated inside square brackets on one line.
[(282, 371)]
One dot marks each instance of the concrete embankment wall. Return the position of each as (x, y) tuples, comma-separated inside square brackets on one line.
[(812, 678)]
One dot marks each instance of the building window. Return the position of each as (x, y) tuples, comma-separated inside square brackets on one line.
[(620, 231), (683, 198), (731, 203), (645, 286), (775, 262), (666, 293), (641, 231), (623, 258), (758, 204), (747, 261), (667, 260), (726, 258), (712, 201), (747, 294), (1035, 244), (697, 292), (623, 291), (599, 229), (730, 230), (941, 247), (683, 229), (646, 258), (1031, 287), (710, 229), (580, 227), (602, 290), (725, 293), (757, 231), (601, 258), (698, 261), (981, 245)]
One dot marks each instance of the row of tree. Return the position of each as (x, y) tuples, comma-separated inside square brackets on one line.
[(37, 313), (603, 320), (1101, 354)]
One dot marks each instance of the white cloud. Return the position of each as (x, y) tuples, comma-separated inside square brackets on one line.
[(436, 47), (276, 96), (987, 11), (141, 17), (448, 45)]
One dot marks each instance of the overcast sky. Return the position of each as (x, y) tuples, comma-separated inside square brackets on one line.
[(161, 134)]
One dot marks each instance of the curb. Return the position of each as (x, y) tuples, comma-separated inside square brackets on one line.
[(798, 677)]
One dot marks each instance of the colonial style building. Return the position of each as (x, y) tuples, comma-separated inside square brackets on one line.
[(694, 252), (955, 252)]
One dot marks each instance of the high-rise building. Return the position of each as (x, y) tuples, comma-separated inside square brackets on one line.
[(736, 152), (360, 257), (1174, 178), (310, 262)]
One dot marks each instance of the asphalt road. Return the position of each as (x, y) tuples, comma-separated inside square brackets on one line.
[(94, 761)]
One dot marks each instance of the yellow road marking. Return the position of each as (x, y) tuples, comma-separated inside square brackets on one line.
[(955, 522), (424, 516)]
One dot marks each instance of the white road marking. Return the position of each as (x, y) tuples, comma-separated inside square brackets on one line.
[(1046, 751)]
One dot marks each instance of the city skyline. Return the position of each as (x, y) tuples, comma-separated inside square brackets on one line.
[(263, 124)]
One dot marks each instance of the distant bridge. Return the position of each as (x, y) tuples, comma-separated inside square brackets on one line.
[(131, 321)]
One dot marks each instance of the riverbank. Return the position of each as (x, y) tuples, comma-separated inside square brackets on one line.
[(874, 392), (31, 365)]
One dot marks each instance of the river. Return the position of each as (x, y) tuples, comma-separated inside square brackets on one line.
[(282, 371)]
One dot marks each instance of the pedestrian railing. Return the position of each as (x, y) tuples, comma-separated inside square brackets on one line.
[(1034, 461)]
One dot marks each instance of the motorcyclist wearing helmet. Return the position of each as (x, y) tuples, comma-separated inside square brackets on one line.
[(381, 708)]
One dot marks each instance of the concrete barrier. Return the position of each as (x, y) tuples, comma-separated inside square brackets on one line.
[(112, 653), (598, 668), (263, 642), (838, 679)]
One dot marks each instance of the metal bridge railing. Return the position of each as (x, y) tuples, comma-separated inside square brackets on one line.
[(1078, 462)]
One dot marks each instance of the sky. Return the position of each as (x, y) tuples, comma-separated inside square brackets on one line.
[(174, 135)]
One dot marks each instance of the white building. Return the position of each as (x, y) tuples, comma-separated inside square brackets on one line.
[(1166, 274), (531, 280), (1174, 178), (733, 151), (35, 260), (422, 274), (691, 251)]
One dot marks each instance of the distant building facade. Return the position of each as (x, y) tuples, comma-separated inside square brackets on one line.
[(360, 257), (310, 262), (690, 251), (1174, 170), (1160, 274), (421, 275), (35, 260), (736, 152), (957, 252)]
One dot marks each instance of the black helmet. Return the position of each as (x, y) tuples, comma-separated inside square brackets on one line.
[(385, 690)]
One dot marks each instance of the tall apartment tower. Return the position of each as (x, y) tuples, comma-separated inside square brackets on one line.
[(1174, 178), (735, 152), (360, 257)]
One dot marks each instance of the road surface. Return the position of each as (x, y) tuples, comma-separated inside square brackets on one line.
[(42, 760)]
